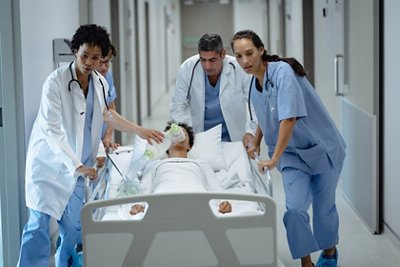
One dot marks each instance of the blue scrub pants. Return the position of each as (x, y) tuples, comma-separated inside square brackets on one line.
[(302, 190), (36, 244)]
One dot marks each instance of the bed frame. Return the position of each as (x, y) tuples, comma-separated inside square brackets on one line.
[(180, 229)]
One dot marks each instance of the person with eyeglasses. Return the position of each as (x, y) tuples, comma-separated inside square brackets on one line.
[(104, 69), (114, 120), (212, 89), (303, 143)]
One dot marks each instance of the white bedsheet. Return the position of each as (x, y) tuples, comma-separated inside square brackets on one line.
[(237, 178)]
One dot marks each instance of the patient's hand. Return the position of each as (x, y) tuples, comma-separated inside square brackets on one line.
[(135, 209), (225, 207)]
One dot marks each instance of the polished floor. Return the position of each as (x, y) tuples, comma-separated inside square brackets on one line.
[(358, 247)]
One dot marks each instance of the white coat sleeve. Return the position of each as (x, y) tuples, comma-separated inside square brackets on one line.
[(179, 112)]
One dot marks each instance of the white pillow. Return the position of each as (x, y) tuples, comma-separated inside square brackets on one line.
[(208, 148)]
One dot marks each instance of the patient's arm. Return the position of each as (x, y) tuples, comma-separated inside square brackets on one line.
[(225, 207), (135, 209)]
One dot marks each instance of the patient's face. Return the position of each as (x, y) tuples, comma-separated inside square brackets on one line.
[(185, 143)]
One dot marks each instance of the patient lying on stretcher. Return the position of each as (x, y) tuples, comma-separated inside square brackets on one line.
[(178, 173)]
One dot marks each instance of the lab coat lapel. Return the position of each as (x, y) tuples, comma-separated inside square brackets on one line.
[(97, 120), (79, 103), (227, 72), (198, 94)]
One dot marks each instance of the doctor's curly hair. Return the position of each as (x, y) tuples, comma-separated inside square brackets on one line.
[(188, 129), (91, 34)]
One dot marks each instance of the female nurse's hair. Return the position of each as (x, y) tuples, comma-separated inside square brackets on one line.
[(91, 34), (210, 42), (249, 34), (188, 129)]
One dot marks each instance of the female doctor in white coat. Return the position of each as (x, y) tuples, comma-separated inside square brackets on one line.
[(212, 89), (63, 147), (303, 144)]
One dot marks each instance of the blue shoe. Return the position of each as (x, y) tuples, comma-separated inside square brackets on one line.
[(324, 262)]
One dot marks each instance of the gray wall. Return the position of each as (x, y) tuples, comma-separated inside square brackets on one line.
[(12, 150), (39, 26)]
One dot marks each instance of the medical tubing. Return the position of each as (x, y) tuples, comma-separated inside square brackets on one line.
[(115, 166), (128, 186)]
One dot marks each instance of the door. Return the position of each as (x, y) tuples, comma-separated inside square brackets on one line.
[(2, 156), (130, 105), (347, 50), (199, 17), (12, 150)]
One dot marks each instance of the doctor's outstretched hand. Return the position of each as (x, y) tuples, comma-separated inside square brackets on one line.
[(118, 122), (150, 134)]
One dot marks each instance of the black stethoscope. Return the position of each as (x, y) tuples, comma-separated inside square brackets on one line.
[(253, 123), (80, 86), (186, 103)]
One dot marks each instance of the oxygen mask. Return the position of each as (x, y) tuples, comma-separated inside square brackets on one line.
[(176, 133)]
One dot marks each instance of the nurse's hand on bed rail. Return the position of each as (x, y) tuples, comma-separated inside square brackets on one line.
[(252, 150), (264, 165), (87, 172), (248, 138), (100, 161), (110, 145)]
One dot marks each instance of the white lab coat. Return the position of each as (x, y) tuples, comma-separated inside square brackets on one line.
[(56, 142), (233, 95)]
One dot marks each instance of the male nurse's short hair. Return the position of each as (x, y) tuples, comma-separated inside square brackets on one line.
[(210, 42)]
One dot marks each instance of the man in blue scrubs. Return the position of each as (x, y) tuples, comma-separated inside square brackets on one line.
[(212, 89)]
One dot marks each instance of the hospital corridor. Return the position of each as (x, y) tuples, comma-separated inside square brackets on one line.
[(90, 88)]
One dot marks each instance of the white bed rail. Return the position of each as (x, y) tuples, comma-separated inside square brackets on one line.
[(262, 181), (181, 230)]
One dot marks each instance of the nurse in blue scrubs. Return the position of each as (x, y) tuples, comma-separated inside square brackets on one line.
[(303, 143)]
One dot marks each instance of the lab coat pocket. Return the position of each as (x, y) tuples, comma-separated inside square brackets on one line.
[(45, 162), (316, 158)]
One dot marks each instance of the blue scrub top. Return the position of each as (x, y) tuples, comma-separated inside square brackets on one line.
[(212, 111), (112, 95), (316, 145), (87, 138)]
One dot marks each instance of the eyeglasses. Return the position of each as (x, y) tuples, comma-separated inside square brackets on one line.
[(106, 62)]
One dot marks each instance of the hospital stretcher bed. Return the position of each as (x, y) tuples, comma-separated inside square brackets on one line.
[(180, 229)]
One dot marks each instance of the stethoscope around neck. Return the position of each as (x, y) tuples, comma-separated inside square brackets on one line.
[(80, 86), (253, 123), (188, 99)]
